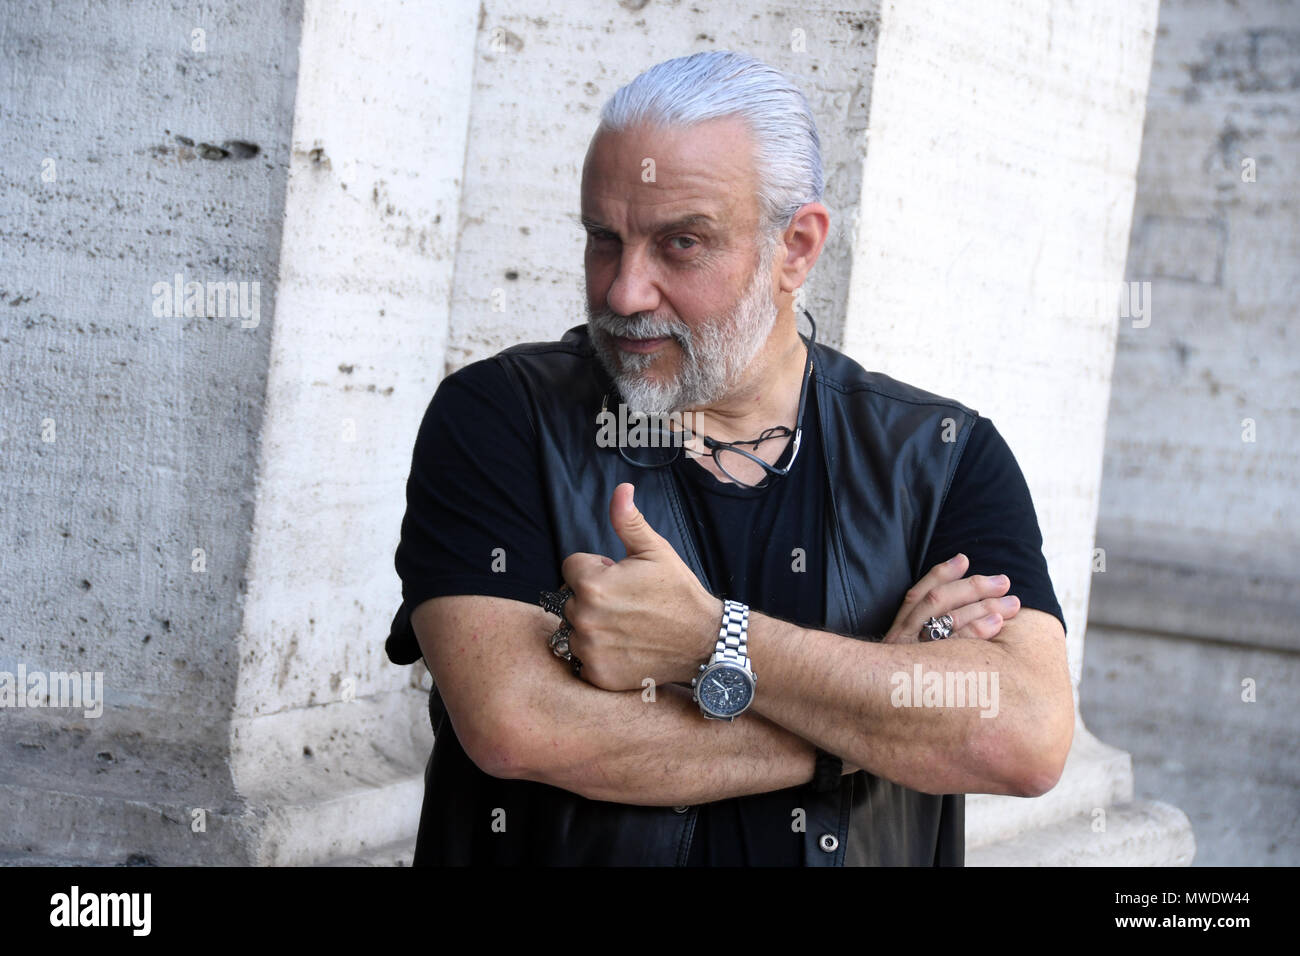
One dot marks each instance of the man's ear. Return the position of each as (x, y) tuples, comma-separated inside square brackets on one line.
[(804, 239)]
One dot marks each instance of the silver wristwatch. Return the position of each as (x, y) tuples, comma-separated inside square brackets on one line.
[(724, 688)]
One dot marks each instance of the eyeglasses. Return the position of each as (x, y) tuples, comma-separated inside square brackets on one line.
[(652, 442)]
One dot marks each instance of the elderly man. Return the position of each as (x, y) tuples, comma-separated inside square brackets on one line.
[(725, 645)]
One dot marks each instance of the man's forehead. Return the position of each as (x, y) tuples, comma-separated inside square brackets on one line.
[(695, 176)]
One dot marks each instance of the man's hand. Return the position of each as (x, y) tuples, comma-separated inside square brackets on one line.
[(645, 616), (976, 603)]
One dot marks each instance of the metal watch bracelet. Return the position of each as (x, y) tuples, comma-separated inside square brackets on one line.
[(733, 635)]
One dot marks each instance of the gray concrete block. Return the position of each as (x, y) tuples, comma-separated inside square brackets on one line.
[(1211, 728), (1134, 834)]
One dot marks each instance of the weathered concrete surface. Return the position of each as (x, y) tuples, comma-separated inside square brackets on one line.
[(1000, 172), (155, 420), (255, 690), (1198, 512), (1134, 834), (366, 266), (1199, 526), (1232, 764)]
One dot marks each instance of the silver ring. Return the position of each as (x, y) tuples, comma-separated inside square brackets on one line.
[(937, 629), (560, 648), (553, 601), (560, 641)]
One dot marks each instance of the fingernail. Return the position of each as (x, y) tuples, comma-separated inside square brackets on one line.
[(955, 559), (992, 619), (1009, 603), (1001, 579)]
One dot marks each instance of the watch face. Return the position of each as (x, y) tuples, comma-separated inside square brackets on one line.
[(725, 690)]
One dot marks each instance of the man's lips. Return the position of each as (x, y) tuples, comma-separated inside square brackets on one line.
[(641, 345)]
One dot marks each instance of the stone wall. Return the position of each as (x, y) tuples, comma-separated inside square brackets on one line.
[(204, 507)]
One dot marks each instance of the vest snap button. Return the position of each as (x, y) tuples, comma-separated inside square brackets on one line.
[(828, 842), (680, 809)]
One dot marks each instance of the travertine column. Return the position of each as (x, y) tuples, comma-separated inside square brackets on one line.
[(203, 507), (996, 199), (326, 733)]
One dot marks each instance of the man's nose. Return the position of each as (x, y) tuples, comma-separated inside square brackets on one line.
[(633, 289)]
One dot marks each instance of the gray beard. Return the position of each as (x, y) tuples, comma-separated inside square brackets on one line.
[(714, 357)]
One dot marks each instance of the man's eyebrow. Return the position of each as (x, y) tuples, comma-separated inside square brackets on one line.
[(685, 222)]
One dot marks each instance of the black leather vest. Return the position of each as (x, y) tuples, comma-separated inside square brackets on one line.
[(890, 453)]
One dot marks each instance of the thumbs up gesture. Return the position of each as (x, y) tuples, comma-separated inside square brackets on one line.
[(645, 616)]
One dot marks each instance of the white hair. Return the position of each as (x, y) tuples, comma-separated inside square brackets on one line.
[(705, 86)]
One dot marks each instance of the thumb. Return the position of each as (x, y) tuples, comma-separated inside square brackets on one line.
[(630, 525)]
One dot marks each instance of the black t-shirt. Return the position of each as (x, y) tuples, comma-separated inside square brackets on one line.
[(474, 484)]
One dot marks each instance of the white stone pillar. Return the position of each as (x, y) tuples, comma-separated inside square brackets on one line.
[(993, 227), (327, 735), (206, 506)]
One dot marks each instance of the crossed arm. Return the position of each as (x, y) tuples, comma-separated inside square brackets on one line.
[(520, 714), (840, 694)]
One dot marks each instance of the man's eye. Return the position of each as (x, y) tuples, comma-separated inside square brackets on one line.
[(601, 237), (687, 239)]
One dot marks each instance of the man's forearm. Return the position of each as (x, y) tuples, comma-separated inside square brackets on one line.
[(844, 696), (520, 714), (619, 746)]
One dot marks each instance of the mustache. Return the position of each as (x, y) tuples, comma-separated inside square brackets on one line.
[(638, 326)]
